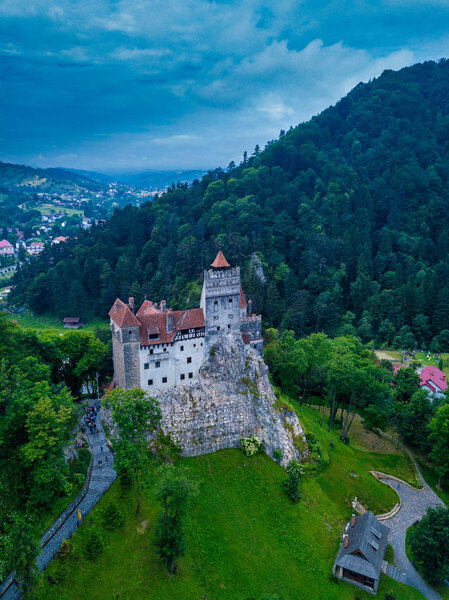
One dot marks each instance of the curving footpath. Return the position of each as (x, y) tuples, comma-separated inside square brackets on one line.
[(414, 505), (100, 480)]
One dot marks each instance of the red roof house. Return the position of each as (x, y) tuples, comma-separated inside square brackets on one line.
[(433, 380)]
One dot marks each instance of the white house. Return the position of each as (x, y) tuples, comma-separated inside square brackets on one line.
[(433, 380), (6, 248)]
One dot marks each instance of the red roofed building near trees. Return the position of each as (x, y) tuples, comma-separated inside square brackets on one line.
[(156, 347), (6, 248), (433, 380)]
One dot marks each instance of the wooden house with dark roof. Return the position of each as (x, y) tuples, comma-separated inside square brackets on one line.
[(362, 551)]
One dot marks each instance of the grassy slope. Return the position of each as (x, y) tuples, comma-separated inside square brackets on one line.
[(39, 322), (244, 537)]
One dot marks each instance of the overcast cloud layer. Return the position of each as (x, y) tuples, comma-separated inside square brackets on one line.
[(134, 84)]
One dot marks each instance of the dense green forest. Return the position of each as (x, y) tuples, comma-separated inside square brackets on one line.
[(347, 213)]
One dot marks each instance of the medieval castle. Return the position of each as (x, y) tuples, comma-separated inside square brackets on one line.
[(156, 347)]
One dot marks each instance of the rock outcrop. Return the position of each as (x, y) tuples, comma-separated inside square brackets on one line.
[(232, 399)]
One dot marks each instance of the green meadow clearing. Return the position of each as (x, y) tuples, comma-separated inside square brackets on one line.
[(245, 539)]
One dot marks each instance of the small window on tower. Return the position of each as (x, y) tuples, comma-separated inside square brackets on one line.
[(146, 366), (218, 328), (182, 376), (229, 326), (230, 302), (129, 332), (190, 375), (164, 380), (189, 360), (150, 382), (151, 351), (157, 364), (216, 306), (182, 348)]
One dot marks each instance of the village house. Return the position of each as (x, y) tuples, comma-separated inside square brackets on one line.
[(362, 551), (433, 380), (157, 347), (6, 248), (35, 247)]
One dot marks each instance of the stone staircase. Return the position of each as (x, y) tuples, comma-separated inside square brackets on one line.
[(393, 572)]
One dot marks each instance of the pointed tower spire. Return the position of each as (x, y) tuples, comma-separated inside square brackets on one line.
[(220, 262)]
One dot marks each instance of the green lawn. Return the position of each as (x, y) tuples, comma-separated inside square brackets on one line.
[(46, 209), (30, 320), (244, 537)]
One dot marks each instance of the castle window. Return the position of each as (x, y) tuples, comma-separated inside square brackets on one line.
[(165, 349), (194, 345), (164, 380), (182, 376), (216, 306), (151, 351), (218, 328), (182, 348), (230, 302), (190, 375), (129, 331), (201, 343), (189, 360), (150, 382), (229, 316), (229, 326), (146, 366), (157, 364)]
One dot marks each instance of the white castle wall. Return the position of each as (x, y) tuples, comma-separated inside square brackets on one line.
[(173, 360)]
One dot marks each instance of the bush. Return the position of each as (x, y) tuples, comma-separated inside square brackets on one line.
[(94, 546), (294, 465), (166, 449), (251, 446), (318, 453), (61, 572), (125, 479), (112, 517), (291, 486), (65, 551), (277, 454)]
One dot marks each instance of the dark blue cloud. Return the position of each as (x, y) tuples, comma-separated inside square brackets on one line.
[(169, 84)]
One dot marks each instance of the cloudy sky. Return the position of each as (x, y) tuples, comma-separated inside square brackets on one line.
[(161, 84)]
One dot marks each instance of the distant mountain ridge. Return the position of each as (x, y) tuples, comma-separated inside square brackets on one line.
[(152, 180), (52, 180)]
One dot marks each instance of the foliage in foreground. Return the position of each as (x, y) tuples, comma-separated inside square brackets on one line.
[(429, 543)]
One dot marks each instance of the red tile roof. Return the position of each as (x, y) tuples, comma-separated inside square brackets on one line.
[(122, 315), (220, 262), (433, 375), (6, 244), (152, 321), (71, 320)]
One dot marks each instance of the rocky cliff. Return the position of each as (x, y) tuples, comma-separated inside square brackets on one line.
[(232, 399)]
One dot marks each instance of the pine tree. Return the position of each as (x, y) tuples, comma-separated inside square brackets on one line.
[(125, 479), (291, 485), (112, 516), (94, 545)]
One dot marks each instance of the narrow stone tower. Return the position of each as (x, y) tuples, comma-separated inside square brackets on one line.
[(125, 329), (220, 298)]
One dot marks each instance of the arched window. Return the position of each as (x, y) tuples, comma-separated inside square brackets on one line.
[(230, 302), (216, 306)]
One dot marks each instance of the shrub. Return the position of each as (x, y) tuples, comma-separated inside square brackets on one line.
[(65, 551), (277, 454), (61, 572), (125, 479), (166, 449), (291, 486), (94, 546), (112, 517), (318, 453), (251, 446), (294, 465)]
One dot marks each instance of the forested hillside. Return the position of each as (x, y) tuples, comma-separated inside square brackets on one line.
[(347, 212)]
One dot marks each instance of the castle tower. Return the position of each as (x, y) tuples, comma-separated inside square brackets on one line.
[(125, 344), (220, 298)]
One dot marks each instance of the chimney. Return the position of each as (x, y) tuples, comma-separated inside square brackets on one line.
[(169, 320), (346, 540), (131, 304), (163, 305), (250, 307), (353, 520)]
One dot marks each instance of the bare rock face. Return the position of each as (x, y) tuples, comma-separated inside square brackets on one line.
[(232, 399)]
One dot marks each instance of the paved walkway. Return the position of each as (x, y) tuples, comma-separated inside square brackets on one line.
[(101, 479), (414, 505)]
